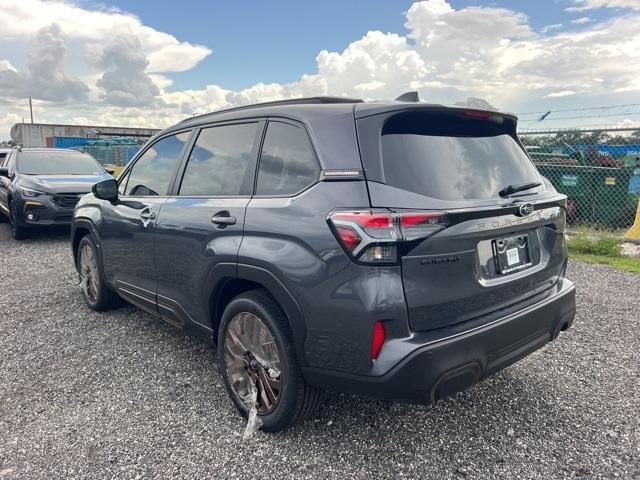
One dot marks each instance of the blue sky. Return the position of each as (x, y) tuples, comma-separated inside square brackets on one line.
[(149, 63), (280, 40)]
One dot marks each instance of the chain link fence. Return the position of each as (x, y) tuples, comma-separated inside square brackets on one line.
[(597, 168)]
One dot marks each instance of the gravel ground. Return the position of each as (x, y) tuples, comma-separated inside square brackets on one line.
[(122, 395)]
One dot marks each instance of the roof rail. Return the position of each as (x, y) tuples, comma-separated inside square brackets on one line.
[(291, 101)]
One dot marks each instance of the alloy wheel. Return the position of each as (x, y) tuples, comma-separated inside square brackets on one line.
[(89, 273), (253, 363)]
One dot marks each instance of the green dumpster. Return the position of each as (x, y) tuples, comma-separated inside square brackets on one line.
[(598, 196), (613, 205)]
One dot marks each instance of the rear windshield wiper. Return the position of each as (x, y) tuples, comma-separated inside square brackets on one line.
[(511, 189)]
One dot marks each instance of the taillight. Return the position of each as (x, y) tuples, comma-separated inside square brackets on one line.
[(417, 225), (350, 239), (373, 236), (377, 340)]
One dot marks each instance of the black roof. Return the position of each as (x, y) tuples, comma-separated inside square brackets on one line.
[(278, 103)]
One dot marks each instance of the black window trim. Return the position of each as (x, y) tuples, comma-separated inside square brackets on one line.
[(125, 173), (5, 160), (12, 157), (302, 126), (257, 145)]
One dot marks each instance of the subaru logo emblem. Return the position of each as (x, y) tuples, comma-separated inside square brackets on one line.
[(526, 209)]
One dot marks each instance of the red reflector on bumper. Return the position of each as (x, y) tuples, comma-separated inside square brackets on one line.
[(378, 339)]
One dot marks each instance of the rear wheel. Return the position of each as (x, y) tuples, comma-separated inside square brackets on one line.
[(17, 231), (257, 360), (96, 294)]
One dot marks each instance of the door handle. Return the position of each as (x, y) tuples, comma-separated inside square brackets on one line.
[(223, 218), (147, 215)]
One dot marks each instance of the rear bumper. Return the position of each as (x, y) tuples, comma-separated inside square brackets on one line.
[(437, 369)]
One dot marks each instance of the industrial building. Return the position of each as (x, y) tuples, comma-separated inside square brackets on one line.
[(65, 136)]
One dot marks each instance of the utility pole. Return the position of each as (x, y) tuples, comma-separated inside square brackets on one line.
[(31, 110)]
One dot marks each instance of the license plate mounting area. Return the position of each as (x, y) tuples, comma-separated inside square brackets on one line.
[(511, 254)]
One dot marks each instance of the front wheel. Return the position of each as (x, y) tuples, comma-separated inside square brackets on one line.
[(258, 363), (17, 231)]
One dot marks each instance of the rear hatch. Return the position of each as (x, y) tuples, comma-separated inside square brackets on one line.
[(486, 252)]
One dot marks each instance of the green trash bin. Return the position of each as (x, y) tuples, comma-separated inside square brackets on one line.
[(614, 205), (597, 196), (576, 182)]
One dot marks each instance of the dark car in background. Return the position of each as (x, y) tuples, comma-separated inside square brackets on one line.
[(41, 186), (395, 249)]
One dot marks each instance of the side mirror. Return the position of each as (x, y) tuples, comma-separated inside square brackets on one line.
[(106, 190), (110, 171), (4, 172)]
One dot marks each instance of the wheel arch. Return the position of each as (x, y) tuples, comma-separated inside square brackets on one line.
[(246, 278), (81, 228)]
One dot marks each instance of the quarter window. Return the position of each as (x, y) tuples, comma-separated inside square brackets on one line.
[(221, 162), (152, 172), (288, 163)]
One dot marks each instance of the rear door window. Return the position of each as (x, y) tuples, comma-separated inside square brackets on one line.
[(287, 163), (222, 162), (451, 159), (152, 173)]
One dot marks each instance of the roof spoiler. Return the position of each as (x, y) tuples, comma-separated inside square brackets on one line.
[(408, 97)]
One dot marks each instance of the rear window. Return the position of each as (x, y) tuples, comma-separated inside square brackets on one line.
[(449, 158), (58, 163)]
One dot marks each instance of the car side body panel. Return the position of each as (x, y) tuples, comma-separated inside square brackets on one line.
[(188, 245)]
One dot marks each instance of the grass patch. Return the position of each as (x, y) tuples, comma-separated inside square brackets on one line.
[(604, 246), (602, 250), (626, 264)]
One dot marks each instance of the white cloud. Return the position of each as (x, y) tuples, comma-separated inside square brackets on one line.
[(45, 76), (581, 20), (581, 5), (6, 66), (447, 54), (7, 121), (24, 18), (125, 82), (553, 26), (561, 93)]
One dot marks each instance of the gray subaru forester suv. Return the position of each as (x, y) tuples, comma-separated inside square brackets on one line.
[(397, 249)]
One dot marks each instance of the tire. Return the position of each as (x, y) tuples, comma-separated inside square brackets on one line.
[(17, 231), (297, 400), (96, 294)]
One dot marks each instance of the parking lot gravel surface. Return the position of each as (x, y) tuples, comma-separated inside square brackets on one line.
[(123, 395)]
